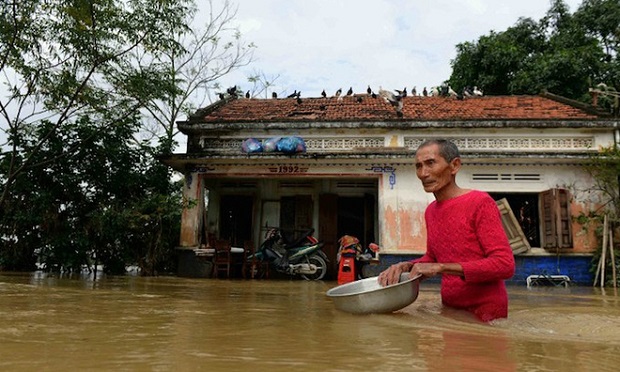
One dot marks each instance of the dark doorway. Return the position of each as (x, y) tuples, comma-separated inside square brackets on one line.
[(356, 217), (236, 218)]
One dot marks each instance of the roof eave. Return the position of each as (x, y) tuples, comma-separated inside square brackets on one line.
[(188, 127)]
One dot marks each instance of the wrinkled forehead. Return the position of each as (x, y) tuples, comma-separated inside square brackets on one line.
[(427, 153)]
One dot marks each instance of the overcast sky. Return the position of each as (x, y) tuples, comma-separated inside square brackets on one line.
[(329, 44)]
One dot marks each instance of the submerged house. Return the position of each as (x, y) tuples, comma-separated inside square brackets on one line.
[(357, 175)]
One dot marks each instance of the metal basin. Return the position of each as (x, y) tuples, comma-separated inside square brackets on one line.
[(367, 296)]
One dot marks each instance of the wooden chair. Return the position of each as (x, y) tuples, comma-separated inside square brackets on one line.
[(223, 257), (257, 268)]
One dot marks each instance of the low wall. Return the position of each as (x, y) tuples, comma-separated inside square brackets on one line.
[(192, 266), (576, 267)]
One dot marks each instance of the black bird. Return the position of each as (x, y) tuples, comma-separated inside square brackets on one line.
[(232, 91), (221, 95), (292, 95), (298, 101), (425, 92), (444, 91), (350, 91), (368, 90), (247, 94), (359, 99), (274, 95), (414, 92), (324, 94), (338, 93), (374, 95)]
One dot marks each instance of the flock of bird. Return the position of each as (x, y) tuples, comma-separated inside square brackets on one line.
[(394, 98)]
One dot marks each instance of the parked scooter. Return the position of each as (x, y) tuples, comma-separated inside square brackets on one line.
[(302, 257)]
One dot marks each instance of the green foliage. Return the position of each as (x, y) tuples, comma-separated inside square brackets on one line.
[(604, 167), (78, 188), (563, 53)]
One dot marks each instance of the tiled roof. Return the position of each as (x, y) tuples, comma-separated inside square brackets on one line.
[(376, 109)]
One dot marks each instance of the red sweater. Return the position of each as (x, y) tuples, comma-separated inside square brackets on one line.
[(468, 230)]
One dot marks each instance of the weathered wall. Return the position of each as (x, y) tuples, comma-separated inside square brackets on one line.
[(191, 217)]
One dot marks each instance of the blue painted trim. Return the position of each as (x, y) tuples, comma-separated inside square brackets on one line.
[(576, 267)]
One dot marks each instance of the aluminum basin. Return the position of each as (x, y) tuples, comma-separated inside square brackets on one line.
[(367, 296)]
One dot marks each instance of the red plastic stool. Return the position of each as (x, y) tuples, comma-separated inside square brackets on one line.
[(346, 271)]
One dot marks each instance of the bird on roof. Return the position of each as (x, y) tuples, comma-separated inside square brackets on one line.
[(350, 91), (451, 92), (247, 94), (274, 95), (221, 95), (368, 90), (414, 92), (467, 92), (338, 93), (402, 93), (359, 99), (232, 91), (443, 90), (298, 100), (395, 100), (477, 92), (324, 94), (424, 92), (292, 95)]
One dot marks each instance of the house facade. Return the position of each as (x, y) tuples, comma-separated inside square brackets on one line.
[(357, 175)]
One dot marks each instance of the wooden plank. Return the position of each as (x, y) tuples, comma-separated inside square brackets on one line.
[(516, 237)]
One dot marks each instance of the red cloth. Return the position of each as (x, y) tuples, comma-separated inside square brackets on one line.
[(468, 230)]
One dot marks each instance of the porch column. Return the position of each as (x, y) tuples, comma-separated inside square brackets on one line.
[(193, 207)]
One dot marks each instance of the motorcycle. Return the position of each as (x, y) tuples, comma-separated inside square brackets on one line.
[(302, 256)]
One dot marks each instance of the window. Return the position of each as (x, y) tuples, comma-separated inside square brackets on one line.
[(544, 218)]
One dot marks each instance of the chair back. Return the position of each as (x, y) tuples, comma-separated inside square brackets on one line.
[(223, 257)]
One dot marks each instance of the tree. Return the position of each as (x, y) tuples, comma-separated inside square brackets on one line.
[(203, 55), (67, 60), (604, 167), (495, 61), (559, 53), (70, 163)]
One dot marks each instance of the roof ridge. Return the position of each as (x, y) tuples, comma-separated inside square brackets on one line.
[(574, 103)]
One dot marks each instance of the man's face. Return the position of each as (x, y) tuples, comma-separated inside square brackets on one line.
[(432, 169)]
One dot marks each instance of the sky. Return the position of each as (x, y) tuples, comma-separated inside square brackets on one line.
[(311, 45)]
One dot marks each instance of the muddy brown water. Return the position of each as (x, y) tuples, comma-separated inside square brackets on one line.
[(132, 323)]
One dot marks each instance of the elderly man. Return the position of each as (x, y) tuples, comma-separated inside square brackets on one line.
[(466, 243)]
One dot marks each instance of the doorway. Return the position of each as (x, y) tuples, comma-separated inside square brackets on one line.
[(236, 213)]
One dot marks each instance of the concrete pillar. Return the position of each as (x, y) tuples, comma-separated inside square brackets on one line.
[(193, 209)]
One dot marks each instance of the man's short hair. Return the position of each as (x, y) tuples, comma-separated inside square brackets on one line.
[(447, 149)]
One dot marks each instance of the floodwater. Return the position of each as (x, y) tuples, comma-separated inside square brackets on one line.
[(133, 323)]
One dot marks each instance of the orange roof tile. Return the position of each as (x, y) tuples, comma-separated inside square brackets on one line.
[(376, 109)]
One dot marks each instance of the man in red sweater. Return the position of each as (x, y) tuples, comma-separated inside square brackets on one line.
[(466, 242)]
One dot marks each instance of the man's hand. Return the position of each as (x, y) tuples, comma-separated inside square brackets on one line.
[(392, 274)]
